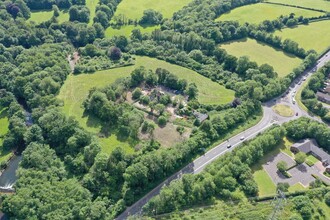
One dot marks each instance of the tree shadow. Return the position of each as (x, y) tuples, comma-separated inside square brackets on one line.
[(3, 113)]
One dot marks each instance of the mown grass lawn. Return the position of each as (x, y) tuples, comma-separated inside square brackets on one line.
[(45, 15), (261, 53), (265, 183), (296, 187), (4, 123), (283, 110), (256, 13), (311, 160), (316, 4), (127, 30), (315, 35), (76, 88)]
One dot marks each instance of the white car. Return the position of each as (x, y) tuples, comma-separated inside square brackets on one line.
[(229, 146), (242, 138)]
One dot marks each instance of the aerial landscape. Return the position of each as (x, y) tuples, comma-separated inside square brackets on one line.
[(154, 109)]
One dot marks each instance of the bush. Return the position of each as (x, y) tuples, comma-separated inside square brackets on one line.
[(300, 157), (136, 93), (282, 166), (284, 187), (327, 198), (162, 121)]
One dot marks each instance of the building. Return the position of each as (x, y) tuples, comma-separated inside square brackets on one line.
[(200, 116), (327, 169), (323, 97), (309, 146)]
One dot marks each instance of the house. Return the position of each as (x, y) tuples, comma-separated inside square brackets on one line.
[(200, 116), (309, 146), (323, 97)]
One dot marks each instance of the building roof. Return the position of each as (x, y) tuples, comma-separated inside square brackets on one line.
[(311, 146), (323, 96), (200, 116)]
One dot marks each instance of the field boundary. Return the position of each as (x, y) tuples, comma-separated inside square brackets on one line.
[(295, 6)]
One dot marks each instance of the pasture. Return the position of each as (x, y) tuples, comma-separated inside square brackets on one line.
[(76, 88), (127, 30), (4, 123), (261, 53), (256, 13), (42, 16), (133, 9), (315, 35), (316, 4)]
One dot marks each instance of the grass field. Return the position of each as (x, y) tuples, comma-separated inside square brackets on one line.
[(256, 13), (296, 187), (261, 53), (127, 30), (311, 160), (76, 88), (4, 123), (265, 183), (315, 36), (283, 110), (91, 5), (133, 9), (316, 4), (41, 16)]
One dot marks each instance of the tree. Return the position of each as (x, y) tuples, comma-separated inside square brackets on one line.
[(300, 157), (284, 187), (282, 166), (327, 198), (114, 53), (160, 108), (192, 91), (136, 93), (162, 121), (151, 17)]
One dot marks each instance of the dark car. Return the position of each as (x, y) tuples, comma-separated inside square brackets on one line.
[(297, 114)]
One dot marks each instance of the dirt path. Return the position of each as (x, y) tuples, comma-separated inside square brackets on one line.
[(73, 60)]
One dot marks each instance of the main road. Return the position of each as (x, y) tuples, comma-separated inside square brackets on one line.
[(269, 118)]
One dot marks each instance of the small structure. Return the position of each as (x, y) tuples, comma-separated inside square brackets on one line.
[(309, 146), (327, 169), (323, 97), (200, 116)]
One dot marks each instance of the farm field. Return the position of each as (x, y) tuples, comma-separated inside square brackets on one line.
[(261, 53), (316, 4), (133, 9), (315, 35), (76, 89), (256, 13), (4, 123), (127, 30), (42, 16)]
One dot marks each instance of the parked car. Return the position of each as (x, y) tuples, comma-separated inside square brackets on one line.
[(297, 114)]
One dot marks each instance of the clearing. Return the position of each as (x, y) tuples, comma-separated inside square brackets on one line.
[(256, 13), (127, 30), (283, 110), (316, 4), (265, 183), (4, 155), (76, 88), (133, 9), (261, 53), (315, 35)]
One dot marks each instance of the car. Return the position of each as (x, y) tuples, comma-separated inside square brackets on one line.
[(297, 114), (242, 138), (294, 102), (294, 91), (229, 146), (299, 83), (304, 79)]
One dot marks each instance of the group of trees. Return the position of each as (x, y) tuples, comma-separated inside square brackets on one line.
[(308, 94), (79, 13), (105, 11)]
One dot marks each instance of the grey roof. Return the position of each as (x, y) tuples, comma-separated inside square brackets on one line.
[(323, 96), (200, 116), (311, 146)]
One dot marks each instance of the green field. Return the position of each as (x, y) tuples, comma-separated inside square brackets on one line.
[(316, 4), (315, 36), (127, 30), (133, 9), (76, 88), (4, 123), (261, 53), (42, 16), (45, 15), (256, 13), (265, 183), (296, 187)]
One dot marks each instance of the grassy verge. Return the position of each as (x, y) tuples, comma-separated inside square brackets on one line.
[(283, 110), (298, 96), (265, 183), (261, 53), (297, 187), (316, 4), (4, 123)]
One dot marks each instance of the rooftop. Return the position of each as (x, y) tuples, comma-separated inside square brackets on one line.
[(311, 146)]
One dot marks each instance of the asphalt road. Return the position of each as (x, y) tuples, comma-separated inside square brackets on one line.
[(269, 118)]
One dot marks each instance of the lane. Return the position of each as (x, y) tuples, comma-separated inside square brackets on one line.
[(269, 118)]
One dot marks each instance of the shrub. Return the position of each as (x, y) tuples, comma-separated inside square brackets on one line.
[(162, 121), (300, 157), (136, 93), (282, 166), (327, 198)]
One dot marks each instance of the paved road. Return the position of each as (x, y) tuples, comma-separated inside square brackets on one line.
[(269, 118)]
